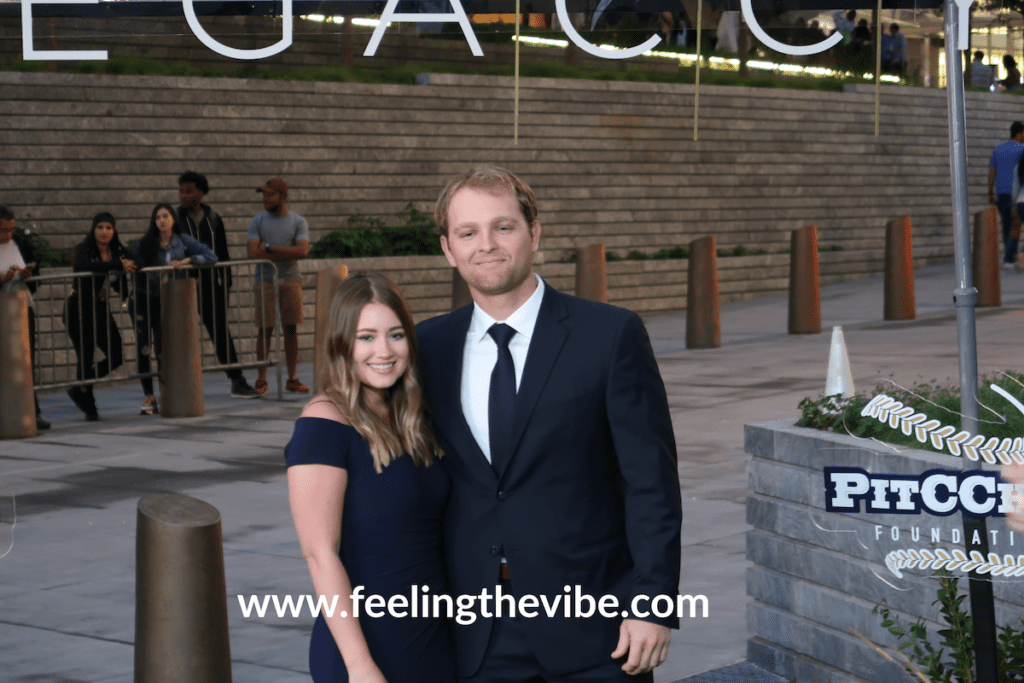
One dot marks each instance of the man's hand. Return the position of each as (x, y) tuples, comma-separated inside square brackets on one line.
[(1015, 474), (646, 643), (10, 275)]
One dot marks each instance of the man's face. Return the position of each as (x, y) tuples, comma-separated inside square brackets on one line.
[(6, 230), (272, 200), (190, 196), (489, 241)]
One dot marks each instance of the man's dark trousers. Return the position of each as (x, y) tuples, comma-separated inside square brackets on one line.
[(1004, 203)]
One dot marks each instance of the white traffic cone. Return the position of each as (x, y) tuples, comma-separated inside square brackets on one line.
[(839, 379)]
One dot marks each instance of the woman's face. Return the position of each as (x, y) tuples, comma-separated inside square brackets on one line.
[(104, 233), (380, 352), (164, 223)]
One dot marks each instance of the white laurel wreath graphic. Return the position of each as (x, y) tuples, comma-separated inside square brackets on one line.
[(945, 437), (955, 561)]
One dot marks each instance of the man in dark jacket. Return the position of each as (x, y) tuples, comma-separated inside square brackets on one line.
[(201, 222), (13, 275)]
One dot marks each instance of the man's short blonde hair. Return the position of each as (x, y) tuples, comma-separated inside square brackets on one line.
[(489, 179)]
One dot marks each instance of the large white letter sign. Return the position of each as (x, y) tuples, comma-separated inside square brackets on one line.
[(590, 48), (27, 50), (222, 49), (755, 28), (388, 15)]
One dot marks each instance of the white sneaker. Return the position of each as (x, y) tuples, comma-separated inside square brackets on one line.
[(149, 406)]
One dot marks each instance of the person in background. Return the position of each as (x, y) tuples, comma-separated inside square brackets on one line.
[(1002, 172), (898, 50), (282, 236), (18, 262), (982, 75), (199, 221), (89, 322), (163, 244), (1012, 81)]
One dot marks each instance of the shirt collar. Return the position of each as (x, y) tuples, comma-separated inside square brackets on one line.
[(523, 320)]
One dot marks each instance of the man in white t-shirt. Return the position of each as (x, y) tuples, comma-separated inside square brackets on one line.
[(280, 236), (18, 262)]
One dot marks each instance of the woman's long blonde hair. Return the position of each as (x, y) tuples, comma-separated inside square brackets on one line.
[(411, 432)]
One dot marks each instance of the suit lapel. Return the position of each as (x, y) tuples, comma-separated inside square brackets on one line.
[(450, 375), (549, 335)]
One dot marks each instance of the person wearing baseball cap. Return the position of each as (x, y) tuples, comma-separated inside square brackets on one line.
[(281, 236)]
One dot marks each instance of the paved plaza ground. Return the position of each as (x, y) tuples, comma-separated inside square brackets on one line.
[(67, 580)]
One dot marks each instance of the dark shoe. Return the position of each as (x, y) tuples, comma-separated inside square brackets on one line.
[(41, 424), (241, 389), (78, 396), (83, 398)]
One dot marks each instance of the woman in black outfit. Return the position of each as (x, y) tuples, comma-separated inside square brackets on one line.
[(89, 322)]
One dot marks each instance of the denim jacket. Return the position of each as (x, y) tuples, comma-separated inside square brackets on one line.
[(180, 247)]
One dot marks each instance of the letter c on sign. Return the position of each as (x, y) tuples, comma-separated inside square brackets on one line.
[(590, 48), (222, 49), (755, 28)]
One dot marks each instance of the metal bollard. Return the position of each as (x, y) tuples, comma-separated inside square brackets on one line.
[(985, 258), (592, 273), (18, 415), (327, 281), (181, 367), (899, 271), (460, 291), (703, 327), (181, 611), (804, 285)]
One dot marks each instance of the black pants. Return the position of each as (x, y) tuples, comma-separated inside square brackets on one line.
[(213, 303), (146, 314), (91, 327)]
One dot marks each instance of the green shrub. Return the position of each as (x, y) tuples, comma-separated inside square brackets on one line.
[(368, 236), (958, 665), (996, 418), (48, 256)]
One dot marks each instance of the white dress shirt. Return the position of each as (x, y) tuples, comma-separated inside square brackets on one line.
[(480, 355)]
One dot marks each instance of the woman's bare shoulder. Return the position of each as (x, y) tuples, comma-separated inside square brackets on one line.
[(323, 407)]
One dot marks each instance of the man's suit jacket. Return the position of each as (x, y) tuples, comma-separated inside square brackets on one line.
[(589, 491)]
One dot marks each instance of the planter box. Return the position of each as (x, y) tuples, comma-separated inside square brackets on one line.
[(816, 575)]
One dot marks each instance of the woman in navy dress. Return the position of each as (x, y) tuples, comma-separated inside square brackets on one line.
[(367, 495)]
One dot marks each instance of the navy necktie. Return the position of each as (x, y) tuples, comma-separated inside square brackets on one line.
[(503, 394)]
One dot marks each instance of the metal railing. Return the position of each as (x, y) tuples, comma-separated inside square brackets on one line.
[(92, 327)]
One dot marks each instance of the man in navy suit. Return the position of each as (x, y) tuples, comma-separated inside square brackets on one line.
[(558, 439)]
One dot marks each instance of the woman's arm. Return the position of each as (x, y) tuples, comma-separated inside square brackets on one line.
[(197, 252), (316, 494)]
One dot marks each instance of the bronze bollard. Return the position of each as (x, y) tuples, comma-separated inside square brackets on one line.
[(181, 365), (460, 291), (804, 285), (985, 257), (327, 282), (592, 273), (17, 400), (181, 611), (703, 327), (899, 271)]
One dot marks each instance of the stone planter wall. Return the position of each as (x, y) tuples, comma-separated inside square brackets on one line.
[(813, 581)]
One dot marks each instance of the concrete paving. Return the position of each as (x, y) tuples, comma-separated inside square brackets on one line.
[(68, 497)]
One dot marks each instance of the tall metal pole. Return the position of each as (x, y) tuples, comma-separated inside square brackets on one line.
[(965, 297)]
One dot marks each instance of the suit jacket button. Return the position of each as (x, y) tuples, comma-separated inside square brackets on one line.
[(502, 495), (495, 550)]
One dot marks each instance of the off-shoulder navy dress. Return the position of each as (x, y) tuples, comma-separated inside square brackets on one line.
[(390, 540)]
